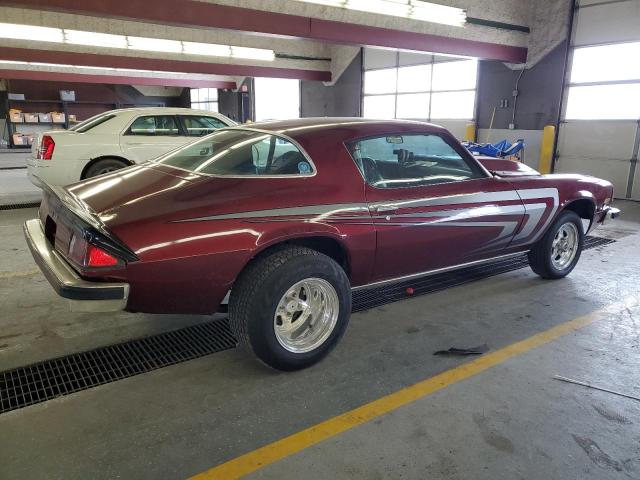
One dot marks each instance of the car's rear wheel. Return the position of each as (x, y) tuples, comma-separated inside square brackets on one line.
[(290, 307), (558, 252), (103, 166)]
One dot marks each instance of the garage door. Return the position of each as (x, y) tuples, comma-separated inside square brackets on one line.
[(600, 128)]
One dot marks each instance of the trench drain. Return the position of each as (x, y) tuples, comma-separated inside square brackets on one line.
[(61, 376)]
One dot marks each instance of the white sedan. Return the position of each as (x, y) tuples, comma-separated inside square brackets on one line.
[(114, 140)]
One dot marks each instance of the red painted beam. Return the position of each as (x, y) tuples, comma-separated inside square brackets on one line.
[(182, 66), (194, 14), (112, 79)]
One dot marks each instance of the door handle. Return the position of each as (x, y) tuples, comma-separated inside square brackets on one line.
[(386, 209)]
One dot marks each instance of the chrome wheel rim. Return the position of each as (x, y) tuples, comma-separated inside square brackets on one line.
[(306, 315), (564, 246)]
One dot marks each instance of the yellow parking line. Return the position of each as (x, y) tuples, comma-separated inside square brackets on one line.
[(273, 452), (27, 273)]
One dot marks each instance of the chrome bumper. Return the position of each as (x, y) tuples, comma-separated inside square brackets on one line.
[(83, 296)]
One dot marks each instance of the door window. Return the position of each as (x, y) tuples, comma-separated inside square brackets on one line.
[(396, 161), (154, 125), (199, 126)]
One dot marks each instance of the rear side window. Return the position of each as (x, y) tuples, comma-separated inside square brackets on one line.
[(154, 125), (198, 126), (396, 161), (243, 153), (92, 122)]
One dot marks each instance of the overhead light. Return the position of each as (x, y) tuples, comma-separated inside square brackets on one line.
[(93, 39), (252, 53), (30, 32), (78, 37), (155, 44), (211, 49), (414, 9)]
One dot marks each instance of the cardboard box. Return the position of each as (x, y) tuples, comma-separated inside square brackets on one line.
[(57, 117), (72, 118), (29, 137), (44, 117), (16, 116), (19, 139), (30, 117)]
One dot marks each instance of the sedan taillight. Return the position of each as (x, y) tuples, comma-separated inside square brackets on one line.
[(46, 148)]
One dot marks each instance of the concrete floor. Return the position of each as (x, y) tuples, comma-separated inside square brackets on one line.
[(511, 421), (15, 187)]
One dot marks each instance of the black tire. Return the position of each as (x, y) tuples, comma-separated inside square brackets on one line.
[(103, 166), (258, 290), (540, 256)]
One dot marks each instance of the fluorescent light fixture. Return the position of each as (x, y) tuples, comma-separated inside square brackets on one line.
[(211, 49), (414, 9), (30, 32), (253, 53), (93, 39), (78, 37), (155, 44)]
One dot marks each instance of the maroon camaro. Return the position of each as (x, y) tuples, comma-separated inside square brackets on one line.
[(282, 220)]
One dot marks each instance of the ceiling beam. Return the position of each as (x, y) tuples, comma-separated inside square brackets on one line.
[(112, 79), (194, 14), (182, 66)]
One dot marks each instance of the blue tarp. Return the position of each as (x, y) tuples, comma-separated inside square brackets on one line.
[(497, 150)]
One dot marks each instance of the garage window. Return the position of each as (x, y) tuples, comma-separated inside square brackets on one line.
[(276, 98), (204, 99), (605, 83), (434, 88)]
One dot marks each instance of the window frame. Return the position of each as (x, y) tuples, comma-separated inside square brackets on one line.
[(471, 162), (127, 129), (304, 153)]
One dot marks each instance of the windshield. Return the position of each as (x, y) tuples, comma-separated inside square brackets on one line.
[(94, 121), (238, 152)]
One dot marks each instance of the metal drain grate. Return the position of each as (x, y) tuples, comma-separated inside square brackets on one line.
[(43, 381), (377, 296), (15, 206), (61, 376)]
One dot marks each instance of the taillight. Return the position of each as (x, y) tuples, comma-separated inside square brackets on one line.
[(46, 148), (96, 257)]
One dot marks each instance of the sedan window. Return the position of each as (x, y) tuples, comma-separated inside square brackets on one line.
[(395, 161), (197, 126), (154, 125), (238, 152)]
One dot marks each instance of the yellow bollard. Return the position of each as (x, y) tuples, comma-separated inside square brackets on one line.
[(546, 148), (470, 132)]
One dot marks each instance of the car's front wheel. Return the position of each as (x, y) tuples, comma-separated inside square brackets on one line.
[(558, 252), (290, 307)]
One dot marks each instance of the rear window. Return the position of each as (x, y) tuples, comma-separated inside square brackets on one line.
[(92, 122), (241, 152)]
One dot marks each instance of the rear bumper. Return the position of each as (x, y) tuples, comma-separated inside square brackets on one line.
[(83, 296)]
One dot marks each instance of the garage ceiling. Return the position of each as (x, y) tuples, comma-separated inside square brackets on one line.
[(311, 41)]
